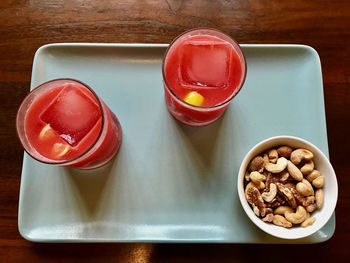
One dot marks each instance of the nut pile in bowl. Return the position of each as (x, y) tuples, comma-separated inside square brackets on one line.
[(283, 186)]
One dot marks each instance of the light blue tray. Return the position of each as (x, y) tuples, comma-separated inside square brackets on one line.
[(169, 182)]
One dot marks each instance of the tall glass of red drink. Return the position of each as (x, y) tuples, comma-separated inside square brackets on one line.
[(63, 122), (203, 70)]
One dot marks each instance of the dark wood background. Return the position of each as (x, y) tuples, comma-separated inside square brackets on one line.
[(25, 25)]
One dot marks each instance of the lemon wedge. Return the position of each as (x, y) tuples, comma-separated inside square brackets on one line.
[(194, 98), (60, 149), (46, 132)]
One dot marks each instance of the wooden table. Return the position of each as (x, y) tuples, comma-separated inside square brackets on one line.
[(26, 25)]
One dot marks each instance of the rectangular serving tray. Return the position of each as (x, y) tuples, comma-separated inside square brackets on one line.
[(170, 182)]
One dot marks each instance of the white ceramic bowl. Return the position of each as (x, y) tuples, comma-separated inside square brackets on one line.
[(330, 188)]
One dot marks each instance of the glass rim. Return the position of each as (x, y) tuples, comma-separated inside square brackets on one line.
[(89, 148), (227, 100)]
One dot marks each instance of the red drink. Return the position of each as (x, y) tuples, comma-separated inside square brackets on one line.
[(64, 122), (203, 69)]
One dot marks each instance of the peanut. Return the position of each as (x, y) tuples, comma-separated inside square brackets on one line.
[(319, 198), (307, 168), (305, 188), (318, 182), (294, 171)]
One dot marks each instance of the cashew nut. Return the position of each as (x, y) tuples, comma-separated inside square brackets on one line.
[(319, 198), (311, 208), (308, 167), (308, 222), (299, 216), (273, 155), (257, 164), (294, 171), (257, 177), (282, 209), (313, 175), (269, 196), (305, 188), (307, 214), (279, 220), (300, 154), (284, 151), (277, 167), (318, 182)]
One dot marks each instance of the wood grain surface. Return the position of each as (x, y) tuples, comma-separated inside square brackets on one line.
[(25, 25)]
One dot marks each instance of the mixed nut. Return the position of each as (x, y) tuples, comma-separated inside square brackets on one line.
[(283, 187)]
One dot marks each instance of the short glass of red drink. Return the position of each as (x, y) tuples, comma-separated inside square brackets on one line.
[(203, 70), (63, 122)]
